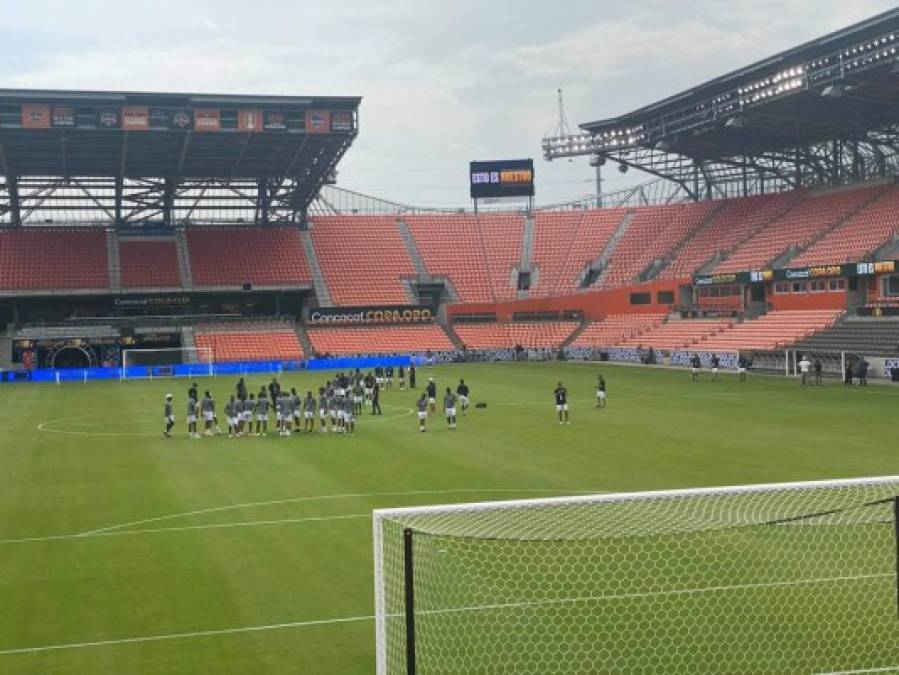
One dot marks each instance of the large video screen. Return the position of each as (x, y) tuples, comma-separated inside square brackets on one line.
[(505, 178)]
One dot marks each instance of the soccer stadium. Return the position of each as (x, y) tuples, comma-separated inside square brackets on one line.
[(257, 422)]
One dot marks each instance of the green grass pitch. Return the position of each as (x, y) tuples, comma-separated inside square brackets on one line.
[(115, 541)]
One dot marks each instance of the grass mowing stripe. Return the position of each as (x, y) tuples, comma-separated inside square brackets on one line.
[(452, 610)]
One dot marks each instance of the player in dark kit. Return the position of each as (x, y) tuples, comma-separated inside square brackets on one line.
[(742, 365), (462, 393), (715, 364), (411, 376), (561, 395), (402, 374), (695, 365), (601, 392), (431, 391), (376, 400)]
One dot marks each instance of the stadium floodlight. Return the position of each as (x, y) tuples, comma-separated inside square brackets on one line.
[(833, 91), (762, 578), (735, 122)]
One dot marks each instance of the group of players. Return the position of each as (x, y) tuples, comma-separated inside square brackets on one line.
[(338, 403)]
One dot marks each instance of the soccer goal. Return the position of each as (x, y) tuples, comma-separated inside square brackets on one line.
[(788, 578), (167, 362)]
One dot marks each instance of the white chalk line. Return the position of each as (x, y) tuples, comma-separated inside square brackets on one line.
[(185, 528), (883, 669), (450, 610)]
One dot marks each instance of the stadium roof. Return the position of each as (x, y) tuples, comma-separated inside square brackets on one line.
[(84, 138), (769, 119)]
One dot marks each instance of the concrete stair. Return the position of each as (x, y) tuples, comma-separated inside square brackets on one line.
[(304, 339), (527, 252), (318, 278), (113, 262), (602, 262), (418, 262), (577, 331), (187, 279)]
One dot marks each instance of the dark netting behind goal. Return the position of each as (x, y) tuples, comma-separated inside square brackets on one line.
[(798, 578)]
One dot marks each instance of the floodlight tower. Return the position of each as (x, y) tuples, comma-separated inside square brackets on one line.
[(563, 130)]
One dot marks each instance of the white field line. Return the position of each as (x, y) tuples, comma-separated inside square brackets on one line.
[(321, 498), (453, 610), (186, 528)]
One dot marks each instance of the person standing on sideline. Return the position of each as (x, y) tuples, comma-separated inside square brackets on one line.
[(412, 376), (376, 400), (695, 365), (847, 376), (818, 371), (742, 363), (862, 372), (715, 363), (601, 392), (804, 365)]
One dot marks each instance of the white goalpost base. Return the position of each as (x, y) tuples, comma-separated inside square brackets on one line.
[(167, 362), (790, 577)]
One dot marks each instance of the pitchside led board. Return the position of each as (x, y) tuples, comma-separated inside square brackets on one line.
[(505, 178)]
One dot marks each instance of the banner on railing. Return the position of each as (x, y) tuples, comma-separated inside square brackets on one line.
[(360, 316)]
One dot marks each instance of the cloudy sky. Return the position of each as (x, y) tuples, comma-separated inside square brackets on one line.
[(443, 82)]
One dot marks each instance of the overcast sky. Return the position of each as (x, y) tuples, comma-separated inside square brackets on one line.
[(443, 82)]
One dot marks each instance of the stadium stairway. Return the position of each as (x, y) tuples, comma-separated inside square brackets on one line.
[(412, 249), (304, 338), (527, 249), (575, 334), (656, 267), (188, 342), (113, 262), (888, 250), (322, 294), (451, 334), (187, 278), (602, 262)]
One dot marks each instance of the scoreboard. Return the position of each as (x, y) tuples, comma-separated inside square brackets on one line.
[(503, 178)]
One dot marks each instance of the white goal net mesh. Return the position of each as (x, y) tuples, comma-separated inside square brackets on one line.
[(763, 579), (167, 362)]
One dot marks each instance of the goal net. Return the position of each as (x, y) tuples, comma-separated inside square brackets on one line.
[(167, 362), (774, 578)]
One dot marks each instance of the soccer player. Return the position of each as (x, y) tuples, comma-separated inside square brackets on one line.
[(192, 417), (241, 389), (601, 392), (388, 377), (431, 390), (422, 407), (208, 408), (561, 394), (295, 406), (322, 410), (309, 413), (349, 416), (411, 376), (818, 371), (231, 415), (695, 365), (742, 363), (262, 406), (333, 408), (376, 400), (169, 415), (192, 392), (449, 409), (357, 398), (402, 374), (285, 405), (804, 365), (368, 383), (715, 363), (246, 416), (462, 393)]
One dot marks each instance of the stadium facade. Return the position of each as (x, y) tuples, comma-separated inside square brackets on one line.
[(207, 222)]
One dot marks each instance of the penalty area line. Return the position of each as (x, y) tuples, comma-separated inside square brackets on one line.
[(450, 610)]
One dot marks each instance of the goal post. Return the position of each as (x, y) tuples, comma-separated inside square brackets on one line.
[(790, 577), (167, 362)]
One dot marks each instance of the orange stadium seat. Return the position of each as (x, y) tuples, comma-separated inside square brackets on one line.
[(676, 335), (43, 259), (858, 236), (798, 227), (505, 335), (565, 242), (262, 256), (615, 328), (363, 259), (379, 340), (502, 233), (737, 220), (772, 331), (249, 341), (452, 246), (146, 264), (654, 231)]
